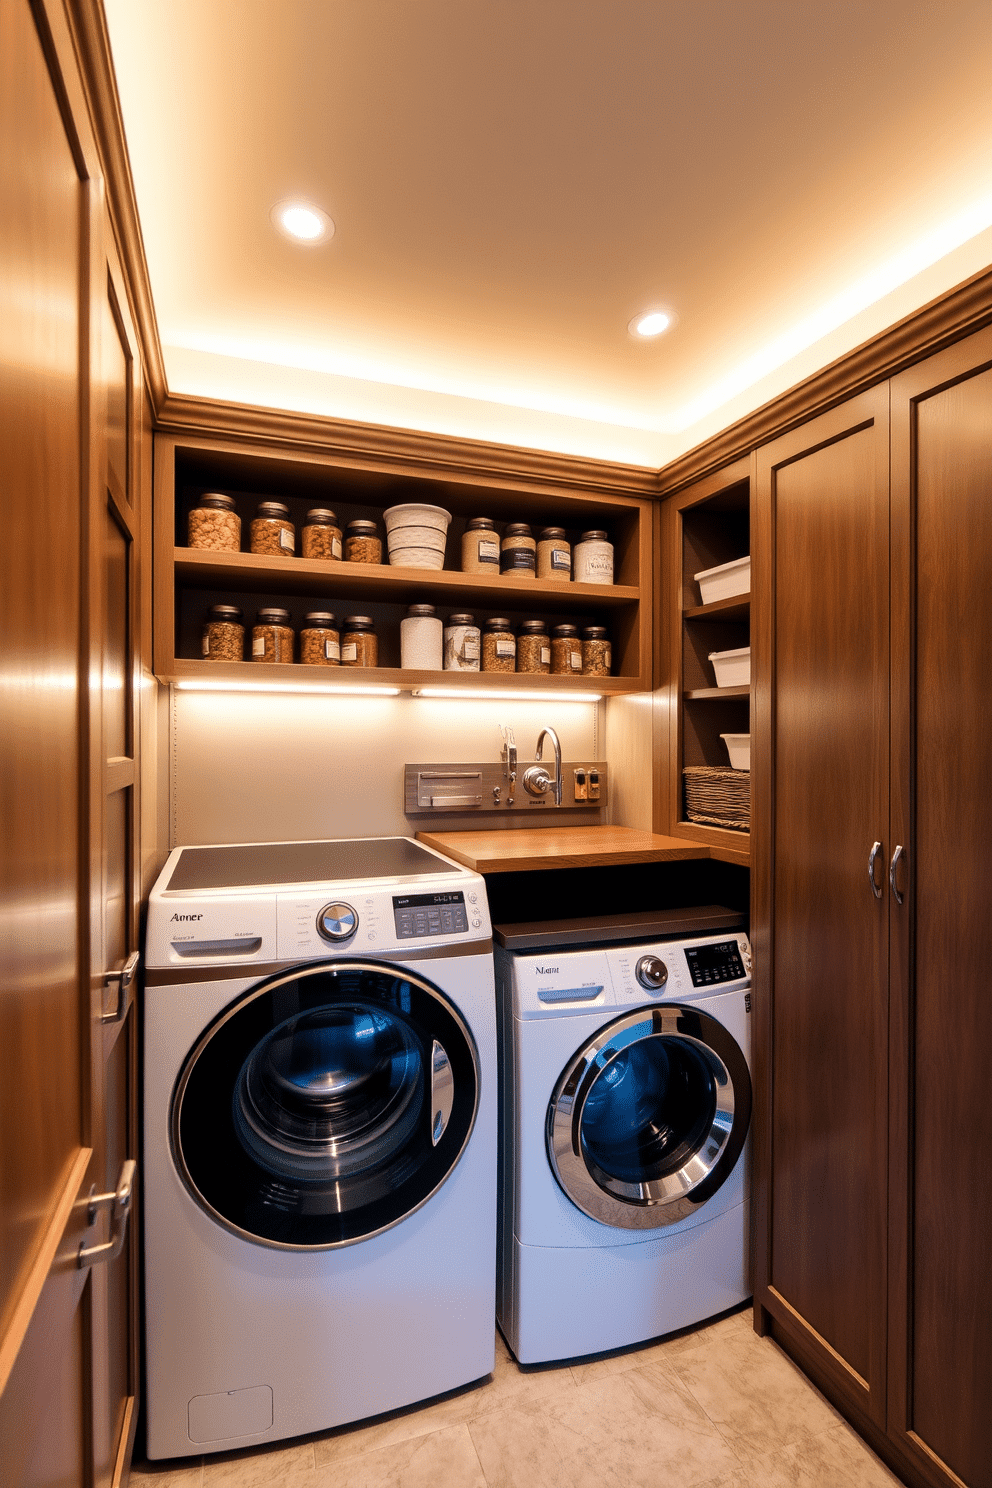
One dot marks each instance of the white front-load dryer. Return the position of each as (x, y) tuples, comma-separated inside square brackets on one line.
[(320, 1138), (625, 1116)]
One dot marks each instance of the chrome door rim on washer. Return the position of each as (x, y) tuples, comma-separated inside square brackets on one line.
[(665, 1199)]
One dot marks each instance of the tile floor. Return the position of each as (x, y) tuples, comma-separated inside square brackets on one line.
[(716, 1407)]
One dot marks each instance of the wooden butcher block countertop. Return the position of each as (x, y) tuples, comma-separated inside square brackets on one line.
[(511, 851)]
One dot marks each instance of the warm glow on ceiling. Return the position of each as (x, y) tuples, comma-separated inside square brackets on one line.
[(302, 222), (650, 324)]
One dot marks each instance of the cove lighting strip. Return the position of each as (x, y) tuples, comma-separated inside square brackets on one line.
[(470, 694), (356, 690)]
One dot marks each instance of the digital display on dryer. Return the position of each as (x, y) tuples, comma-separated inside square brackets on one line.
[(429, 914), (709, 964)]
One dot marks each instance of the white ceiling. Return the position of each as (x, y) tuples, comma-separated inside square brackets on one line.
[(511, 180)]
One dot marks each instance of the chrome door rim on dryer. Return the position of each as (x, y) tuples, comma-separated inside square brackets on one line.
[(672, 1182), (304, 1165)]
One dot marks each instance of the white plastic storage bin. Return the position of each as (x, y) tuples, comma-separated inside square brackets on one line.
[(724, 581), (739, 749), (732, 668)]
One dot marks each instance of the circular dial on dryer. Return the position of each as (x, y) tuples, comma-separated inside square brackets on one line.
[(652, 972), (337, 921)]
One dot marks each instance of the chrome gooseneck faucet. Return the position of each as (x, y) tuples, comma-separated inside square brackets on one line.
[(556, 746)]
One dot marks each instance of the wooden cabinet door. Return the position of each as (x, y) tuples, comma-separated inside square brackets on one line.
[(820, 619), (940, 1299)]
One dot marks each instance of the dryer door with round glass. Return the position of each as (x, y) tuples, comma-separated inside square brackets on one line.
[(325, 1105), (649, 1117)]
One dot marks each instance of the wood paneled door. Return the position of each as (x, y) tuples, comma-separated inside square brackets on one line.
[(68, 452), (820, 604)]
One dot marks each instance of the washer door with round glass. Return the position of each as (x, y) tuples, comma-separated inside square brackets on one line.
[(649, 1117), (325, 1105)]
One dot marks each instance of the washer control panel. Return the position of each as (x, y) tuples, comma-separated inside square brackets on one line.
[(719, 961), (337, 922), (418, 916)]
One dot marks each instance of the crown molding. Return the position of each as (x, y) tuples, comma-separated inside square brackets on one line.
[(410, 451)]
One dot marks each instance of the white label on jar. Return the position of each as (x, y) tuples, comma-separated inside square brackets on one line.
[(545, 655), (488, 550), (332, 649), (560, 559), (576, 659), (349, 651), (287, 539), (506, 648), (335, 547), (470, 648), (258, 646), (206, 645)]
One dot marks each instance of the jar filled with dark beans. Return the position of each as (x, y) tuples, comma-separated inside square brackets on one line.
[(320, 640), (533, 647), (272, 636), (271, 530), (362, 543), (566, 651), (322, 534), (214, 524), (499, 647), (224, 634), (359, 642), (597, 657)]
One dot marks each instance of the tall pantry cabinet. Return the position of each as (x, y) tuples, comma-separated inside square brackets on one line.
[(872, 833)]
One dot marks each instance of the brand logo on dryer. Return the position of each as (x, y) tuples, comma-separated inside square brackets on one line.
[(547, 970), (176, 917)]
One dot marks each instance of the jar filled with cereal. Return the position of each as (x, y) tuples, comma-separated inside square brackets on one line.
[(566, 651), (320, 640), (362, 543), (554, 555), (499, 646), (214, 524), (359, 642), (480, 546), (272, 636), (533, 647), (518, 552), (223, 634), (271, 530), (322, 535), (597, 657)]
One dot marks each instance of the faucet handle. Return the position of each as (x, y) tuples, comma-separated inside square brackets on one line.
[(509, 749)]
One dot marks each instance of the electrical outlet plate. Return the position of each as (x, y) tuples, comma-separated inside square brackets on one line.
[(461, 787)]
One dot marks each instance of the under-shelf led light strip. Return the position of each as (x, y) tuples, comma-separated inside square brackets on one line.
[(365, 689)]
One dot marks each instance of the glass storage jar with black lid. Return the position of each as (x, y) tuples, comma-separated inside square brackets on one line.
[(518, 553), (359, 642), (320, 640), (462, 644), (597, 657), (421, 639), (566, 651), (362, 543), (321, 536), (271, 530), (224, 634), (533, 647), (480, 546), (499, 646), (272, 636), (554, 555), (214, 524)]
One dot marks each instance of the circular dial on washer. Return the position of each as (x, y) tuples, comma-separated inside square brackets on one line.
[(652, 972), (337, 921)]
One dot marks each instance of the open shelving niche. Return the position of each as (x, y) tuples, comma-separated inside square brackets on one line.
[(189, 580), (706, 525)]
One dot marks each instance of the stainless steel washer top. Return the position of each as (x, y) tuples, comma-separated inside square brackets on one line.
[(259, 864)]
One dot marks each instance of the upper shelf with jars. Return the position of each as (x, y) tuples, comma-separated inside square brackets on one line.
[(254, 528)]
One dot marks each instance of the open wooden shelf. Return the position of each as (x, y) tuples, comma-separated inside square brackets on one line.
[(696, 694), (260, 675), (737, 607)]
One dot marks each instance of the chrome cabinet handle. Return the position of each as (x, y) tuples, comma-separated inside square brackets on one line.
[(892, 873), (876, 848), (442, 1091), (124, 977), (119, 1203)]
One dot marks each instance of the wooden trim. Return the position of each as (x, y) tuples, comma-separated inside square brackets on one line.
[(407, 451), (36, 1274), (916, 336)]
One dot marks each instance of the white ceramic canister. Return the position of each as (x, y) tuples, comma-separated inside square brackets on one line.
[(462, 644), (421, 640), (592, 559)]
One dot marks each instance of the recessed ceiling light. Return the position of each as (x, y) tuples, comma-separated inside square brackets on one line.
[(651, 323), (302, 221)]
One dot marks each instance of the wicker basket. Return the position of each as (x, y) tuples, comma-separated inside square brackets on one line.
[(718, 796)]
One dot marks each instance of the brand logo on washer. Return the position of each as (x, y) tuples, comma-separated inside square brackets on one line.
[(547, 970), (185, 917)]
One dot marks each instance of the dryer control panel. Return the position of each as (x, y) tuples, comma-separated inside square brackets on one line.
[(720, 961), (419, 915)]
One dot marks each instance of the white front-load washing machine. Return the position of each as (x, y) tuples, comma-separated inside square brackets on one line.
[(320, 1138), (625, 1109)]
